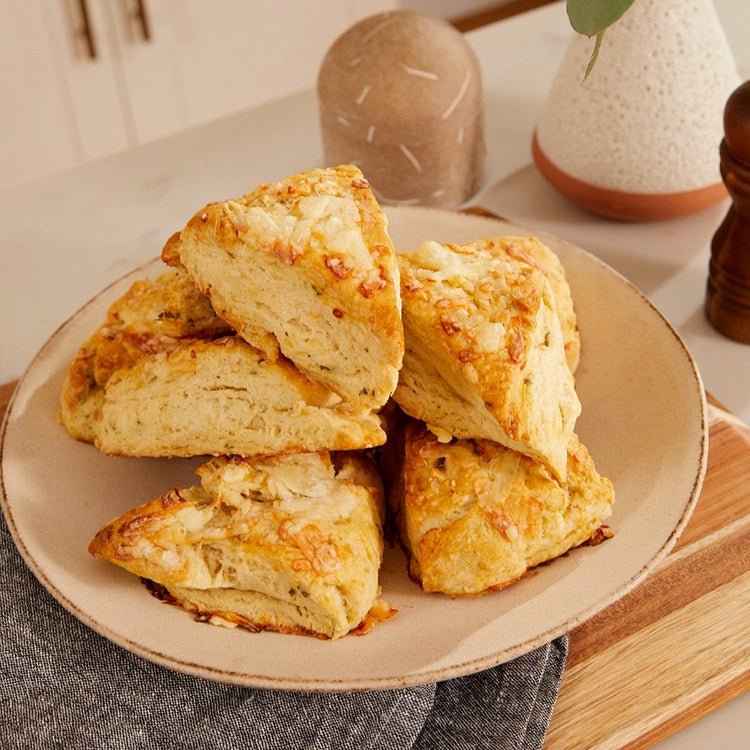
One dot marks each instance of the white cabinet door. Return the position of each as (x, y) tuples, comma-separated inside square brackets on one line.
[(59, 106), (36, 124), (145, 37), (90, 84)]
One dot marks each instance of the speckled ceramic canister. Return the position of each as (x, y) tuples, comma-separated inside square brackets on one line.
[(400, 96), (638, 139)]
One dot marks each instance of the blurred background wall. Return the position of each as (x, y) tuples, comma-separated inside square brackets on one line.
[(83, 79)]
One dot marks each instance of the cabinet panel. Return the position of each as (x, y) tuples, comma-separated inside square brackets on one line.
[(36, 128), (91, 84), (148, 65)]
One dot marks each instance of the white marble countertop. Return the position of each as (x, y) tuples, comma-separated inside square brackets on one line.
[(65, 238)]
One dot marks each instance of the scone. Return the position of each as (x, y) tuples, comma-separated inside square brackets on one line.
[(532, 252), (305, 267), (485, 354), (152, 316), (474, 516), (224, 397), (291, 544)]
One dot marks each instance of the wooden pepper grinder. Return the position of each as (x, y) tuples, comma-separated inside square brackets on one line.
[(728, 290)]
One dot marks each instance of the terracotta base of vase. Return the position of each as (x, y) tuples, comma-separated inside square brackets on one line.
[(615, 204)]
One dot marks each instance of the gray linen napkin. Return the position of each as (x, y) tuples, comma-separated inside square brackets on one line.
[(64, 686)]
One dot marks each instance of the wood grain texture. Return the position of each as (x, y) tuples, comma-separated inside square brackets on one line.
[(496, 12), (678, 646)]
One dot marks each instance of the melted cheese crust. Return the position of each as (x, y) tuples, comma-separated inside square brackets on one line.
[(297, 533), (475, 516)]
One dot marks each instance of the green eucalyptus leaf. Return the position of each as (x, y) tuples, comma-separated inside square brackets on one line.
[(592, 17)]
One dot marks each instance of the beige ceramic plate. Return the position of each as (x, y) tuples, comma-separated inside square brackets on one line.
[(643, 420)]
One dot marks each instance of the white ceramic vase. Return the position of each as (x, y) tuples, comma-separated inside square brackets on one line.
[(638, 139)]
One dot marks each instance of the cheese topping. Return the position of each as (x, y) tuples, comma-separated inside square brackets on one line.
[(330, 222), (289, 487)]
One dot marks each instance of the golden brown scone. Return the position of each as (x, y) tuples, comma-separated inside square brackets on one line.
[(152, 316), (305, 267), (474, 515), (485, 355), (292, 543), (532, 252), (224, 397)]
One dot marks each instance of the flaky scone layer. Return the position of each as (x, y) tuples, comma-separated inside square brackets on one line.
[(153, 316), (224, 397)]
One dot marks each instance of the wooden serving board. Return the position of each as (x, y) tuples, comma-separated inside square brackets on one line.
[(678, 645)]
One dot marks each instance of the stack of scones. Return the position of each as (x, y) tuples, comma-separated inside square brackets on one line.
[(330, 381)]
